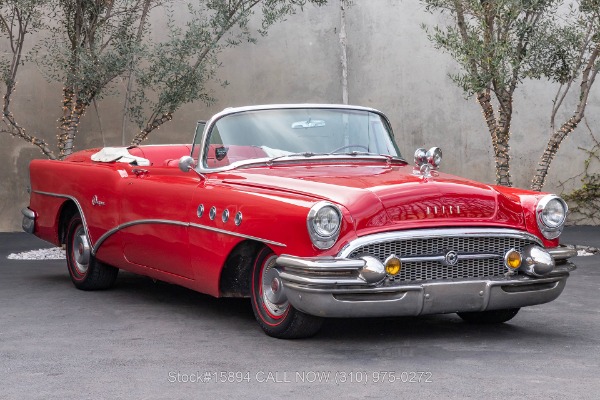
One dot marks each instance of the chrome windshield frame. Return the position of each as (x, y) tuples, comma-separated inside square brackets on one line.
[(258, 161)]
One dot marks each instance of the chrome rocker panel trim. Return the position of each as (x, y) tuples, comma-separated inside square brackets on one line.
[(430, 297)]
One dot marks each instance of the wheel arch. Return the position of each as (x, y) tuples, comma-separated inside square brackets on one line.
[(237, 271), (66, 212)]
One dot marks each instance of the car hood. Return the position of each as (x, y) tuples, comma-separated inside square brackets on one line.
[(384, 194)]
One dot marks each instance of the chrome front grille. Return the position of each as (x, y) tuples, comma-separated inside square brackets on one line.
[(431, 270), (439, 246)]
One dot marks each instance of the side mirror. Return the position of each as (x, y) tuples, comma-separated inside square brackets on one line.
[(186, 163)]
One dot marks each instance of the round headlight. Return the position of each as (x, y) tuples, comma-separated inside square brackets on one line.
[(326, 221), (323, 222), (551, 215), (554, 213)]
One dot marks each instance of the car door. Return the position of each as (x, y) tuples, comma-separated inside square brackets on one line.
[(155, 209)]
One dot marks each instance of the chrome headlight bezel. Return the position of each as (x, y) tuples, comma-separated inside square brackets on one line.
[(321, 241), (549, 229)]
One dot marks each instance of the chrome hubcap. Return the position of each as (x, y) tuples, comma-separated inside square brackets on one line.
[(81, 251), (273, 294)]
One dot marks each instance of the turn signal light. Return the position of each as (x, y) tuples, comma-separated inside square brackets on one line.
[(513, 259), (393, 265)]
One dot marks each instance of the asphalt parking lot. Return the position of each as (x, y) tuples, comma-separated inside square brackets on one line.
[(147, 340)]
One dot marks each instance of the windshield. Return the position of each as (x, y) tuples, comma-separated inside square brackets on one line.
[(279, 133)]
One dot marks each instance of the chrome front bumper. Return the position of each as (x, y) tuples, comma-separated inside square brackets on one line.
[(333, 287)]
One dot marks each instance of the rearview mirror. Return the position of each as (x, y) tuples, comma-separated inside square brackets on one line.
[(310, 123), (186, 163)]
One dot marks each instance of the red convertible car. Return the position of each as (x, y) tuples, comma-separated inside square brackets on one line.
[(311, 212)]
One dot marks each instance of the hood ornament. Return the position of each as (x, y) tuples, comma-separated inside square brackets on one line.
[(427, 161)]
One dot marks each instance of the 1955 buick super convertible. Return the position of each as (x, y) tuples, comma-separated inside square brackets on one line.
[(311, 212)]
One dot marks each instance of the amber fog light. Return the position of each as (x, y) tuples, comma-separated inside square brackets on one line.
[(393, 265), (512, 259)]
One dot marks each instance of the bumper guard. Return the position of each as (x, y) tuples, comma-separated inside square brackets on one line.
[(28, 223)]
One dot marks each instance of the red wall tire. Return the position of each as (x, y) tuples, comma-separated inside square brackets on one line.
[(277, 319), (86, 272)]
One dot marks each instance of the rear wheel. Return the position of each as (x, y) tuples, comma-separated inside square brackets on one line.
[(86, 272), (489, 317), (276, 316)]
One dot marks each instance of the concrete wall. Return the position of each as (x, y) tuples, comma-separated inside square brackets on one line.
[(391, 66)]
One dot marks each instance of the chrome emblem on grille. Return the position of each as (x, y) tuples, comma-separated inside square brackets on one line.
[(451, 258)]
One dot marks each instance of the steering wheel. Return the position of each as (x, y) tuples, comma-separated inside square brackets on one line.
[(349, 146)]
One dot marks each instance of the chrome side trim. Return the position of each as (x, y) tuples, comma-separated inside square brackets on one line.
[(177, 223), (114, 230), (435, 233), (241, 235), (107, 234), (66, 196)]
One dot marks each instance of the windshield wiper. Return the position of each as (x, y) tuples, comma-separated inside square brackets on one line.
[(387, 157), (305, 154), (364, 153), (357, 153), (309, 154)]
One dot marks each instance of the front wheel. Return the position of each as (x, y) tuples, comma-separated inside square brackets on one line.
[(489, 317), (275, 315), (86, 272)]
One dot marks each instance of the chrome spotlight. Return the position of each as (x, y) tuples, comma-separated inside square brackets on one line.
[(420, 157), (434, 157), (427, 161)]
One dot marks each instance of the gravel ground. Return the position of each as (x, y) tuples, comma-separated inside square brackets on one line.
[(53, 253)]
